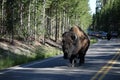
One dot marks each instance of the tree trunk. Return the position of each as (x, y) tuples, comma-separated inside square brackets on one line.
[(9, 15), (35, 20), (28, 25), (2, 15), (43, 21), (56, 26), (21, 15)]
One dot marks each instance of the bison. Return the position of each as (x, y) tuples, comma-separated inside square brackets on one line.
[(75, 44)]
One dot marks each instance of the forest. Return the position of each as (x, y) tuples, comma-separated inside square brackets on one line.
[(31, 20), (107, 17), (27, 26)]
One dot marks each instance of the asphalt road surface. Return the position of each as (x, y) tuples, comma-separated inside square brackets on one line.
[(102, 63)]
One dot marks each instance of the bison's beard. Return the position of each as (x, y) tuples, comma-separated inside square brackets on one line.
[(68, 52)]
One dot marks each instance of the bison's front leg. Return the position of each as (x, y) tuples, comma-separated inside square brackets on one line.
[(72, 61), (82, 59)]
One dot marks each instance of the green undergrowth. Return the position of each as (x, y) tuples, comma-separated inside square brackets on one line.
[(14, 59), (46, 51), (93, 40)]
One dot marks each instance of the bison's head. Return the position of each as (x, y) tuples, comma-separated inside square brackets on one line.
[(68, 43)]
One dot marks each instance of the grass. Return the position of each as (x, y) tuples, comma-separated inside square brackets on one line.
[(12, 61), (93, 40), (46, 51), (6, 62), (40, 52)]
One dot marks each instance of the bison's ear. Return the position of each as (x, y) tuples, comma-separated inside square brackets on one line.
[(74, 37)]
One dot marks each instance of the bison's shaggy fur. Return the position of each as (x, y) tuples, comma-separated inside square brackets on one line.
[(75, 44)]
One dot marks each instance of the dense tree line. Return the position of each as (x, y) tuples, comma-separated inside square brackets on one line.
[(108, 18), (31, 20)]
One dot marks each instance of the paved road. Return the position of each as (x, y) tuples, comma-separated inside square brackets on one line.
[(102, 63)]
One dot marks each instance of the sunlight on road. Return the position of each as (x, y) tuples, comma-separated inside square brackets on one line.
[(56, 70), (101, 59)]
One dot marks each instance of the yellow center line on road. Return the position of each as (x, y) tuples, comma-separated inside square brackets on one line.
[(109, 67), (105, 69)]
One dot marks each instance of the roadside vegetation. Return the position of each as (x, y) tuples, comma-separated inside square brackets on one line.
[(93, 40), (9, 57)]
